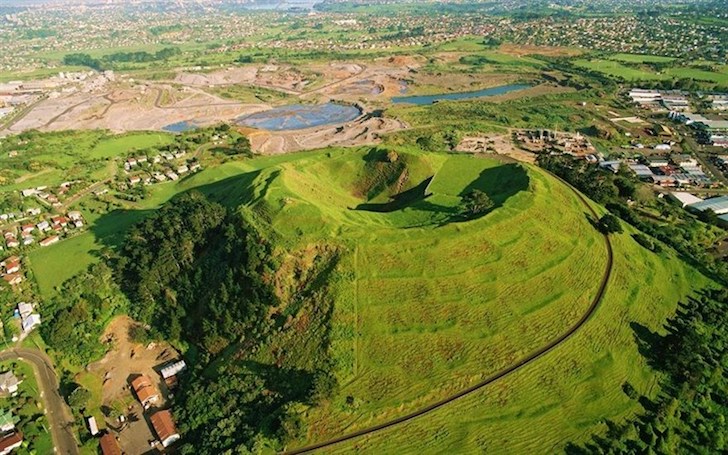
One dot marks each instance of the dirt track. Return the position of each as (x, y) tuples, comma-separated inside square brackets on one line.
[(496, 376)]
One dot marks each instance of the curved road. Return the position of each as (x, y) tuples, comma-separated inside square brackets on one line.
[(58, 414), (499, 374)]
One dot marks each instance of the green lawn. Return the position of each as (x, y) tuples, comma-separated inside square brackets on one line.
[(122, 144)]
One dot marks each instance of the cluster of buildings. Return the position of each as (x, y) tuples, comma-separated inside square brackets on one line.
[(709, 131), (11, 271), (671, 100), (712, 131), (675, 171), (150, 398), (148, 174), (49, 197), (48, 229), (10, 437), (647, 34), (718, 205), (547, 141)]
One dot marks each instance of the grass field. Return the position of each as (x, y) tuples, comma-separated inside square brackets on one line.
[(122, 144), (640, 58), (618, 66), (617, 69)]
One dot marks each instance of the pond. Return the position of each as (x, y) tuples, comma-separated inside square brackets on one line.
[(429, 99), (180, 127), (300, 116)]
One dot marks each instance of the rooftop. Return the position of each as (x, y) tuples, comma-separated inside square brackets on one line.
[(717, 204)]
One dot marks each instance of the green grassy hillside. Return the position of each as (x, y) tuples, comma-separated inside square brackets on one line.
[(426, 304)]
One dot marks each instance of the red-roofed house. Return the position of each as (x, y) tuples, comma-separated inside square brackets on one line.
[(50, 240), (109, 445), (164, 427), (10, 442), (13, 278), (145, 391)]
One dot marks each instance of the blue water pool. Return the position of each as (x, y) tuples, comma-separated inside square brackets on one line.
[(429, 99), (180, 127), (299, 116)]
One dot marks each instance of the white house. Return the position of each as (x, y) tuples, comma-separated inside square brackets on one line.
[(9, 382), (30, 322)]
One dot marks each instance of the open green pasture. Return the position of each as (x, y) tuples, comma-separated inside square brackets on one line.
[(640, 58)]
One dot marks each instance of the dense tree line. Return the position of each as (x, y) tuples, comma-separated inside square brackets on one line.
[(108, 61), (689, 415), (74, 320), (193, 272), (199, 274)]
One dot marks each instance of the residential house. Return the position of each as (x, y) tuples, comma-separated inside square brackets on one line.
[(164, 427), (25, 309), (50, 240), (43, 226), (34, 211), (75, 215), (11, 241), (9, 382), (7, 421), (60, 220), (30, 322), (109, 445), (13, 279), (10, 442), (145, 391), (12, 264), (28, 229)]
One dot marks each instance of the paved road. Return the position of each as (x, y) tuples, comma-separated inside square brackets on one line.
[(59, 416), (498, 375)]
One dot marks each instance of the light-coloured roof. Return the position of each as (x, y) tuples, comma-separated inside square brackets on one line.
[(717, 204), (685, 198), (173, 369)]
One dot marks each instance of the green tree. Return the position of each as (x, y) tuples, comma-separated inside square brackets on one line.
[(609, 224), (476, 203), (78, 398)]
